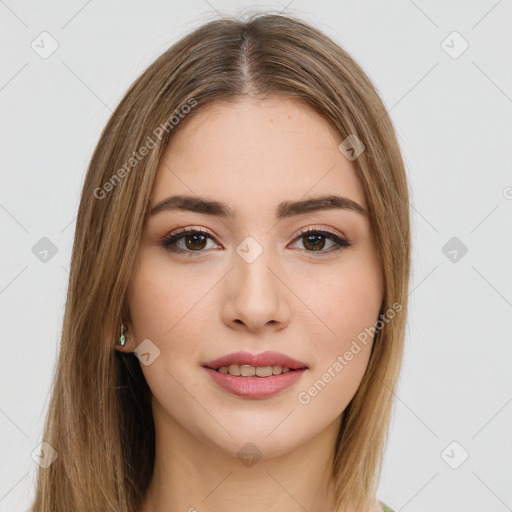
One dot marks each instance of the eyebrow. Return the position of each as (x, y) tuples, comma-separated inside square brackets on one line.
[(284, 210)]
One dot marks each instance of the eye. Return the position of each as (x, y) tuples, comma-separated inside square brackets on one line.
[(194, 239), (313, 240)]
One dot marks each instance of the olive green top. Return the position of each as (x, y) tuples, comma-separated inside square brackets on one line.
[(385, 508)]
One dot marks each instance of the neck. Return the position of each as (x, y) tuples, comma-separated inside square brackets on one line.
[(192, 474)]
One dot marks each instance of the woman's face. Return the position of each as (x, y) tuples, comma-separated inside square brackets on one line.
[(254, 282)]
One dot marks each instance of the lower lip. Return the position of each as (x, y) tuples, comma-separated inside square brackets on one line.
[(255, 387)]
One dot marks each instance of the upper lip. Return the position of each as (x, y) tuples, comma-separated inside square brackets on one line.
[(268, 358)]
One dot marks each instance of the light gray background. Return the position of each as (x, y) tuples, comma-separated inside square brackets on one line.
[(453, 119)]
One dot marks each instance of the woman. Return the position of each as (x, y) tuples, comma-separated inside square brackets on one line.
[(235, 318)]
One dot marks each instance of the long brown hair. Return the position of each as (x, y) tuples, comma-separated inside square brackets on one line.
[(100, 419)]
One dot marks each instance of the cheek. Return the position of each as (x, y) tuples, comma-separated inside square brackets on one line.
[(161, 300), (173, 310), (348, 303), (349, 308)]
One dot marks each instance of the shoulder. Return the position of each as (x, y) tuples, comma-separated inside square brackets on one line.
[(384, 507)]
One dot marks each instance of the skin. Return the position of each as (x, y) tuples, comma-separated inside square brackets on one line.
[(251, 154)]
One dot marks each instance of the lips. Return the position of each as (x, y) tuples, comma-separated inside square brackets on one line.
[(268, 358)]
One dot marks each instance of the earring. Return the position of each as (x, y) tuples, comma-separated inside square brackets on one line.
[(122, 338)]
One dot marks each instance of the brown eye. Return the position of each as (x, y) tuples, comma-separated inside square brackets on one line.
[(314, 241), (195, 240)]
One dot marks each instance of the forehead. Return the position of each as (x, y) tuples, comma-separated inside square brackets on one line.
[(256, 152)]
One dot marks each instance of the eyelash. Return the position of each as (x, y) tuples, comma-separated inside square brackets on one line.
[(169, 242)]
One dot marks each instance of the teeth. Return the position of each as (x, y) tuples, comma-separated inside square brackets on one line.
[(246, 370)]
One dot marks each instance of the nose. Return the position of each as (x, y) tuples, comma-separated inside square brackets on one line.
[(256, 295)]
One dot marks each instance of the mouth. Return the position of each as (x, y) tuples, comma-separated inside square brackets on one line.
[(255, 376), (245, 364), (247, 370)]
